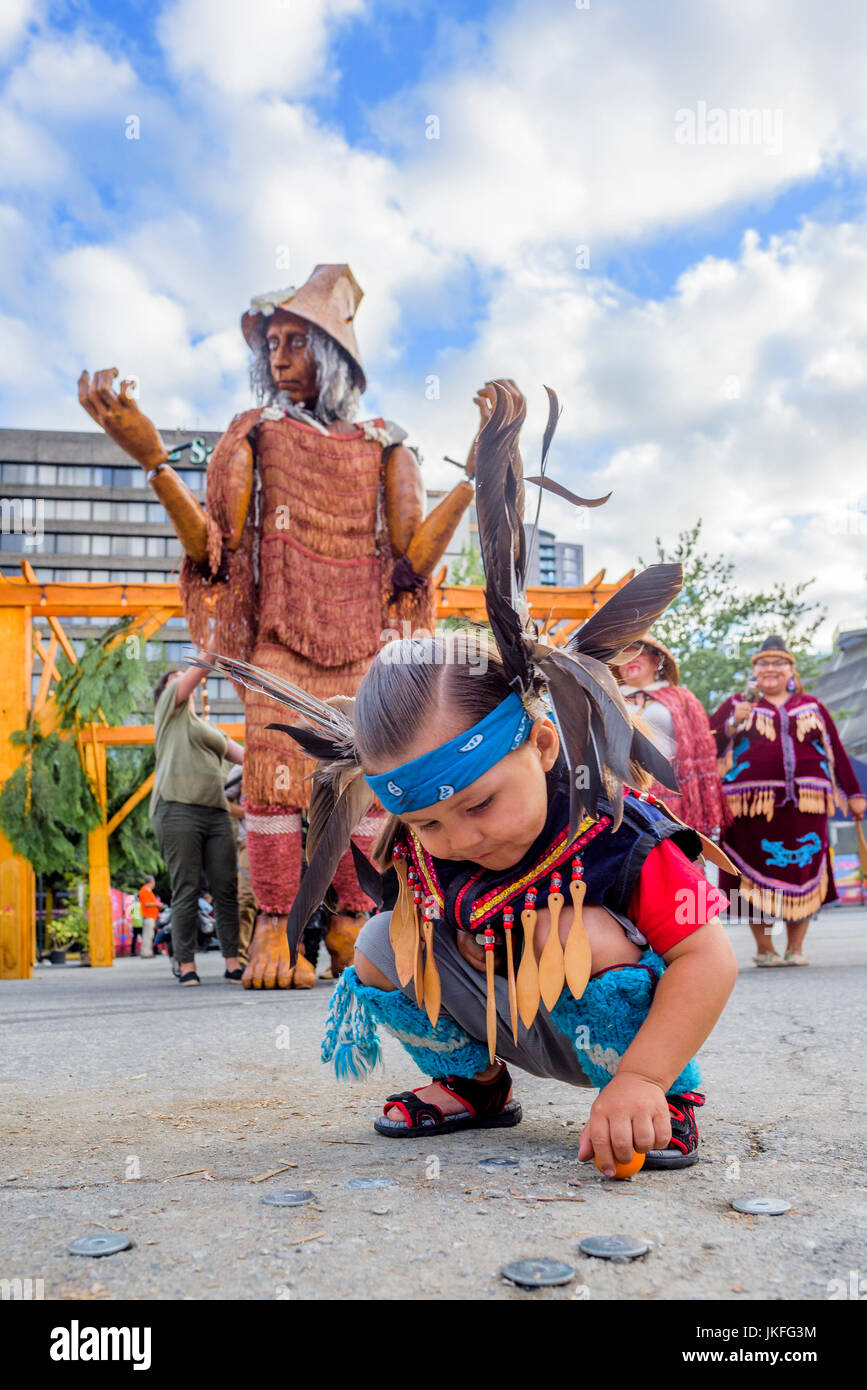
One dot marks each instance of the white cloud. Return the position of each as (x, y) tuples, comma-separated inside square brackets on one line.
[(739, 397), (278, 46), (28, 157), (562, 131), (15, 15), (69, 78)]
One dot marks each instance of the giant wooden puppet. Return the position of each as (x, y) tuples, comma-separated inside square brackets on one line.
[(312, 543)]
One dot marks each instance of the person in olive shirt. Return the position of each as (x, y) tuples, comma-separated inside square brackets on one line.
[(190, 817)]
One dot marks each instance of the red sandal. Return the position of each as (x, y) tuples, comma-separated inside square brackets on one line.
[(488, 1107)]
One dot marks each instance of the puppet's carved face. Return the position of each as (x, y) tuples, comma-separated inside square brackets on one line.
[(293, 369)]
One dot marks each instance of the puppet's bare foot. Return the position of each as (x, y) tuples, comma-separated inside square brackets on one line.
[(305, 974), (340, 939), (270, 966)]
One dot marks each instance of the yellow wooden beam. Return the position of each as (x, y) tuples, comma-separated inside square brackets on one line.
[(88, 600), (125, 734), (48, 669), (68, 649), (101, 936), (130, 804), (42, 652), (17, 919)]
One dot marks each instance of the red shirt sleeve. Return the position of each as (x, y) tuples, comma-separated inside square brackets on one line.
[(673, 898)]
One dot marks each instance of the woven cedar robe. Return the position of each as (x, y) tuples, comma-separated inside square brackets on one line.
[(700, 802), (786, 770), (307, 597)]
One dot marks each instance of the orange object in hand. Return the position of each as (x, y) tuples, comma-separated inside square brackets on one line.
[(625, 1170)]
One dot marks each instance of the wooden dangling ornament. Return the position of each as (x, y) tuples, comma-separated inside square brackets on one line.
[(432, 988), (404, 898), (418, 960), (552, 967), (492, 1000), (508, 924), (403, 929), (577, 952), (527, 984)]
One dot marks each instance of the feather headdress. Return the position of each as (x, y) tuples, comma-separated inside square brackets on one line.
[(602, 747)]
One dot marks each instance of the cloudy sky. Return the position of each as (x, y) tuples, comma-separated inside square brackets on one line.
[(658, 209)]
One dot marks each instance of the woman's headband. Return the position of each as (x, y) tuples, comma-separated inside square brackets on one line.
[(448, 769)]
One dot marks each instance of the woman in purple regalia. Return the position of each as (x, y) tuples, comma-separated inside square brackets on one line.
[(787, 771)]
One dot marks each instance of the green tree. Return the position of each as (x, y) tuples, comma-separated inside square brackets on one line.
[(468, 569), (46, 806), (714, 626), (132, 848)]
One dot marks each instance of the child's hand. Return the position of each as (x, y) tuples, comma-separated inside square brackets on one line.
[(629, 1115)]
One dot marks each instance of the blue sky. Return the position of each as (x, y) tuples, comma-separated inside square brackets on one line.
[(710, 352)]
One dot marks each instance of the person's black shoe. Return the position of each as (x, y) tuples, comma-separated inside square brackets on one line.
[(682, 1150), (190, 978), (237, 974)]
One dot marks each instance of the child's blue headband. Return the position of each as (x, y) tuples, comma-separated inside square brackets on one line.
[(448, 769)]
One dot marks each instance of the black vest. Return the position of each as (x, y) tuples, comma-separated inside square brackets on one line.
[(612, 861)]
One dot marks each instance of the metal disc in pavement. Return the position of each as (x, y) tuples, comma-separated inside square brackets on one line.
[(289, 1197), (762, 1206), (537, 1274), (499, 1161), (614, 1247), (367, 1183), (108, 1244)]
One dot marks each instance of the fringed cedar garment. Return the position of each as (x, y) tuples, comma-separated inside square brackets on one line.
[(701, 803), (786, 772), (307, 596)]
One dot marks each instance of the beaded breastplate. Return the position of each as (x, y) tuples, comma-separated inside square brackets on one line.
[(604, 867)]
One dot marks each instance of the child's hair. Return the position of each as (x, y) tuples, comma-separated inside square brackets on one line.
[(413, 678), (407, 684)]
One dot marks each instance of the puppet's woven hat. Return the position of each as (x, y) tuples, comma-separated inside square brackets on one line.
[(772, 646), (330, 299), (670, 668)]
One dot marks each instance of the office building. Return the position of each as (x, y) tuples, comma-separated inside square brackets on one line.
[(78, 508)]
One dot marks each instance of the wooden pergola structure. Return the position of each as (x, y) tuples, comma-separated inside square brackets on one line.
[(557, 611)]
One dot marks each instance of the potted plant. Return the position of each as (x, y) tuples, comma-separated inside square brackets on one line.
[(56, 942), (69, 932)]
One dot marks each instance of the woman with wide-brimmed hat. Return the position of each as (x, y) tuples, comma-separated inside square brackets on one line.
[(787, 771), (650, 683)]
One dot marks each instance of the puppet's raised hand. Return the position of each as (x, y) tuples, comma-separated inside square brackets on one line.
[(120, 417)]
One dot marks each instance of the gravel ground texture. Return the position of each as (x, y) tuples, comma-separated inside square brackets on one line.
[(130, 1105)]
